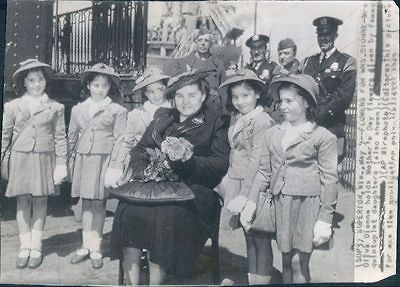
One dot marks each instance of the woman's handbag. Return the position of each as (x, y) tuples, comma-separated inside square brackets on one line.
[(5, 159), (264, 221), (153, 192)]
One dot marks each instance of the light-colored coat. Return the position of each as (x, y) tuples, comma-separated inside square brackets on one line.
[(246, 148), (308, 167), (97, 135), (45, 133)]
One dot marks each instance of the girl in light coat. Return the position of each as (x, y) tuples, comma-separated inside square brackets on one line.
[(302, 158), (95, 129), (153, 85), (34, 131), (241, 186)]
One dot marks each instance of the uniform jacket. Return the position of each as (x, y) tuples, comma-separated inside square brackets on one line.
[(207, 131), (97, 135), (264, 71), (336, 77), (45, 133), (246, 144), (308, 167)]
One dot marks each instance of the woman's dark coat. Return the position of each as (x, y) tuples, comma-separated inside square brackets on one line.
[(176, 233)]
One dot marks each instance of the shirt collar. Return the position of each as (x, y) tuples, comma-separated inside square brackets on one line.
[(105, 102), (42, 99), (328, 53)]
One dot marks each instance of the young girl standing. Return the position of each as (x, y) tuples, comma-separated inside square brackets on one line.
[(95, 129), (34, 132), (241, 186), (303, 162), (153, 85)]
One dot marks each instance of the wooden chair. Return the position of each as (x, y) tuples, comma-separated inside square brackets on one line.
[(214, 266)]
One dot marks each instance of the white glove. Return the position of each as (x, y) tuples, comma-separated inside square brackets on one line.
[(322, 232), (237, 204), (247, 214), (112, 177), (60, 172)]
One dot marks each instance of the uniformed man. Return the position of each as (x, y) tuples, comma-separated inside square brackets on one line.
[(201, 59), (336, 74), (261, 63), (288, 64)]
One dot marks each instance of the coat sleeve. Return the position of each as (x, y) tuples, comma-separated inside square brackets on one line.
[(343, 97), (262, 178), (327, 165), (260, 126), (208, 170), (73, 130), (8, 127), (118, 134), (128, 142), (60, 136)]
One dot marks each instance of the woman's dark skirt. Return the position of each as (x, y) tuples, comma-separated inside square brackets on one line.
[(174, 234)]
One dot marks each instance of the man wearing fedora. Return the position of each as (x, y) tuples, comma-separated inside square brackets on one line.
[(261, 65), (336, 73)]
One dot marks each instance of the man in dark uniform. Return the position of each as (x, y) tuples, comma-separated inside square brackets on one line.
[(261, 65), (336, 74)]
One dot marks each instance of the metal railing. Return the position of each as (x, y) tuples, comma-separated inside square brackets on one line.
[(348, 166), (103, 33)]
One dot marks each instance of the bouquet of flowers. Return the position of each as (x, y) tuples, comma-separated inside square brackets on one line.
[(172, 148)]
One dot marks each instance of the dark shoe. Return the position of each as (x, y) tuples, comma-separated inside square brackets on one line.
[(77, 258), (97, 261), (22, 262), (35, 262)]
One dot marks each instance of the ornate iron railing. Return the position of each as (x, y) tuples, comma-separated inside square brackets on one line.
[(109, 32)]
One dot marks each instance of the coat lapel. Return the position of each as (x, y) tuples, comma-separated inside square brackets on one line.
[(23, 108), (277, 142)]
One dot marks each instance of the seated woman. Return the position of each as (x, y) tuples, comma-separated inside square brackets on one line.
[(174, 234)]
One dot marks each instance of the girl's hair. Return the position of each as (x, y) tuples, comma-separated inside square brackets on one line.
[(114, 92), (143, 90), (248, 85), (20, 85), (311, 110)]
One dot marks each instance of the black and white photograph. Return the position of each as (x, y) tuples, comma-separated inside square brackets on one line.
[(199, 142)]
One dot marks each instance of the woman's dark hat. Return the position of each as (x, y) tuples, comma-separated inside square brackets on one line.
[(305, 82), (103, 69), (150, 75), (184, 79), (326, 24), (243, 75), (30, 64)]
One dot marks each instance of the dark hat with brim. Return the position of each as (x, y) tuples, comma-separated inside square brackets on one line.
[(150, 76), (243, 75), (103, 69), (306, 82), (184, 79), (286, 43), (257, 40), (30, 64), (327, 24)]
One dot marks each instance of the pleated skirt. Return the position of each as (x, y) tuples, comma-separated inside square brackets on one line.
[(295, 220), (31, 173), (88, 176)]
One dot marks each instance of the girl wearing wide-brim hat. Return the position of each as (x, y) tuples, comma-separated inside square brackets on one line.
[(95, 129), (302, 157), (241, 186), (34, 132), (152, 84)]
